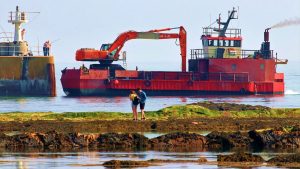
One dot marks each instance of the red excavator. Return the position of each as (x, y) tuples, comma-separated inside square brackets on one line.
[(110, 52)]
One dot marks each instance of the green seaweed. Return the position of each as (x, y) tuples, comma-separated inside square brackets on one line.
[(172, 112)]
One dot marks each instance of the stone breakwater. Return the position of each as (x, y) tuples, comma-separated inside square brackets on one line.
[(272, 138)]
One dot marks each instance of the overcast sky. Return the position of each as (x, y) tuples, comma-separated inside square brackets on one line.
[(77, 24)]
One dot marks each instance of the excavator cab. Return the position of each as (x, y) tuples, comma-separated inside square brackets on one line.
[(105, 47)]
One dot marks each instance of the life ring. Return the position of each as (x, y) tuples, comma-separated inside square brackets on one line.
[(231, 51), (147, 83), (116, 82), (190, 83)]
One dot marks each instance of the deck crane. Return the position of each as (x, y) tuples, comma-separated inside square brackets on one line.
[(110, 52)]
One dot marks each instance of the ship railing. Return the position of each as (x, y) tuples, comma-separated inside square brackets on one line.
[(6, 36), (198, 53), (230, 32), (38, 51), (194, 76), (201, 53), (9, 49), (257, 54)]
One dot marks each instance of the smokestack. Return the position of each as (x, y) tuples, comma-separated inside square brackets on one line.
[(266, 35), (265, 46)]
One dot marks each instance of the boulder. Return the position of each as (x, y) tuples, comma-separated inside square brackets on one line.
[(84, 140), (289, 158), (54, 140), (179, 139), (4, 140), (24, 140), (126, 140), (227, 140), (125, 164), (276, 138), (240, 157)]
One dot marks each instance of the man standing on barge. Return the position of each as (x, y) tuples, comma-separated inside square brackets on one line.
[(46, 48)]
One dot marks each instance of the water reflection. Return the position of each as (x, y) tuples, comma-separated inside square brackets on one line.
[(122, 104), (82, 159), (21, 165)]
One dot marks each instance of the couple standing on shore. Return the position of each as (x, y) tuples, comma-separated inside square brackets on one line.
[(138, 98)]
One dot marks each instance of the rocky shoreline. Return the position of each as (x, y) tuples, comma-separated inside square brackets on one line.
[(288, 137), (232, 127), (280, 138)]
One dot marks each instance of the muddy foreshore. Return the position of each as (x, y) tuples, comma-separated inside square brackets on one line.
[(190, 125), (196, 117)]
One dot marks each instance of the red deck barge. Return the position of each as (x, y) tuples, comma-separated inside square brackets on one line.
[(221, 67)]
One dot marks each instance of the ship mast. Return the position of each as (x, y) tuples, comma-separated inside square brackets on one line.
[(19, 18), (222, 31)]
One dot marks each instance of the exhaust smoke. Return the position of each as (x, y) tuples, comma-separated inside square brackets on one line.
[(287, 22)]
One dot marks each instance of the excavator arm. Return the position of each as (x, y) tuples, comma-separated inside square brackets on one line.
[(110, 52)]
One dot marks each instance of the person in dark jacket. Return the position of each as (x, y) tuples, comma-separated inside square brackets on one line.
[(142, 98)]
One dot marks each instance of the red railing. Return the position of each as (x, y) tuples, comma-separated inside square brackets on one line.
[(194, 76)]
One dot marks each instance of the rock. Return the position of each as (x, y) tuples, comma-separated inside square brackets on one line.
[(25, 140), (227, 140), (230, 106), (202, 160), (276, 138), (125, 164), (122, 140), (55, 140), (4, 140), (179, 139), (290, 158), (153, 126), (84, 140), (240, 157)]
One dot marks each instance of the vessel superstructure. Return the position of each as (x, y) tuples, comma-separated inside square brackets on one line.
[(23, 71), (220, 67)]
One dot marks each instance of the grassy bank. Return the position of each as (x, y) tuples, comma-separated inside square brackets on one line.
[(208, 110)]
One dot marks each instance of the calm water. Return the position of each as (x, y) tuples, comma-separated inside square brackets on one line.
[(94, 159), (61, 103)]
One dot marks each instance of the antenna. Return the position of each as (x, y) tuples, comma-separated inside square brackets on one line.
[(38, 47), (210, 19)]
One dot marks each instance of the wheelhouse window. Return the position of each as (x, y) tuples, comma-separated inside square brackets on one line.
[(221, 43), (205, 42), (215, 42), (210, 42), (237, 43), (226, 43)]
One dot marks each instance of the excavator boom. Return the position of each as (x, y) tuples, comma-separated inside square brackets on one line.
[(111, 53)]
